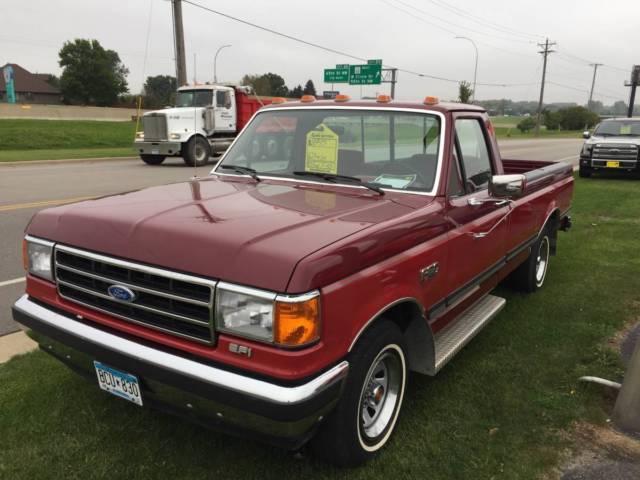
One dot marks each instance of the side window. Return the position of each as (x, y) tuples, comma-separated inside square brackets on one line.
[(475, 155), (223, 99)]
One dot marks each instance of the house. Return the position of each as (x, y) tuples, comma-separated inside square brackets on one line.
[(30, 87)]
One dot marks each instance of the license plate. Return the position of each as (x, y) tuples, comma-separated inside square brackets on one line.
[(613, 164), (155, 151), (121, 384)]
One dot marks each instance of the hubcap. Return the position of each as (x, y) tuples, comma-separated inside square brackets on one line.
[(542, 260), (380, 395), (200, 152)]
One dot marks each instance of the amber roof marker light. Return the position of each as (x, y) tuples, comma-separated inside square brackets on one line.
[(278, 100), (383, 98), (307, 99), (341, 97), (430, 100)]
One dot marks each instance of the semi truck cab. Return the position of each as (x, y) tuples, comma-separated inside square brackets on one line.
[(204, 122)]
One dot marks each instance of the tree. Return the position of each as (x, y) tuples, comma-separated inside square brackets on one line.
[(576, 118), (267, 84), (620, 108), (160, 91), (309, 88), (464, 92), (550, 119), (91, 75), (526, 124), (296, 92), (53, 81)]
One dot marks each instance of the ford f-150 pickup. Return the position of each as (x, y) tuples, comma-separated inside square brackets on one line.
[(336, 246)]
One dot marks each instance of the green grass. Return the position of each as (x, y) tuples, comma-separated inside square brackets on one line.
[(506, 127), (25, 134), (500, 409), (65, 153)]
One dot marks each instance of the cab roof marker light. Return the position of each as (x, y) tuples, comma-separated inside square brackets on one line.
[(307, 98), (278, 100), (341, 97), (430, 100), (383, 99)]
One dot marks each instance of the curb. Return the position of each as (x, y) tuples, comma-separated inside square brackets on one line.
[(64, 160), (14, 344)]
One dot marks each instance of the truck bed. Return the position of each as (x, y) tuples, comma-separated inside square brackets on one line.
[(538, 173)]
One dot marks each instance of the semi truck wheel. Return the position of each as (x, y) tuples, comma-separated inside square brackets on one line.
[(197, 152), (366, 415), (152, 159), (530, 275)]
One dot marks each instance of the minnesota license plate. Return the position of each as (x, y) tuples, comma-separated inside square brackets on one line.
[(121, 384), (613, 164), (155, 151)]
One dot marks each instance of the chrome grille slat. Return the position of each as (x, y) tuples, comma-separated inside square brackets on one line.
[(613, 151), (154, 126), (168, 301)]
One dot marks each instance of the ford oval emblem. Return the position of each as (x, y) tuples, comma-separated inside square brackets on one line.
[(122, 293)]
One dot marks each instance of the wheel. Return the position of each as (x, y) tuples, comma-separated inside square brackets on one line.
[(197, 152), (584, 172), (366, 415), (153, 159), (530, 276)]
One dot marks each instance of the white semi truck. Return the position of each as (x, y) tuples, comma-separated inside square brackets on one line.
[(204, 122)]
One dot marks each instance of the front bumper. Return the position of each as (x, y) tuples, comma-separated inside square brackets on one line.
[(157, 148), (285, 415), (601, 164)]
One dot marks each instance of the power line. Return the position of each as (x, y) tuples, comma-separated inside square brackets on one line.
[(333, 50)]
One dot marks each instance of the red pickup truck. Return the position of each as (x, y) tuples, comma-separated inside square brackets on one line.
[(336, 246)]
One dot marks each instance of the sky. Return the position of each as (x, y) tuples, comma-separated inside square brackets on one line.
[(413, 35)]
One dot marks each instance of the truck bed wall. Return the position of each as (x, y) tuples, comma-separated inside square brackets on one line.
[(247, 105)]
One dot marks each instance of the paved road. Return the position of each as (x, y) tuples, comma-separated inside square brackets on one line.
[(25, 189)]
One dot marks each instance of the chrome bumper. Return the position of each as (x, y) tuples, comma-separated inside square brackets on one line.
[(234, 402), (157, 148)]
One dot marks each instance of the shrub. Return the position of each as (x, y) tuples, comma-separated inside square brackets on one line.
[(526, 124), (576, 118)]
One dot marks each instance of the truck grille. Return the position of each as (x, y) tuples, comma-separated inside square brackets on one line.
[(164, 300), (154, 126), (610, 151)]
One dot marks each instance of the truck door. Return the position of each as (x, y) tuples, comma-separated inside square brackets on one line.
[(477, 239), (225, 111)]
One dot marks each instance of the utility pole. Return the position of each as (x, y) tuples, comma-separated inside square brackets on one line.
[(181, 63), (635, 81), (545, 52), (593, 83), (475, 70), (393, 81)]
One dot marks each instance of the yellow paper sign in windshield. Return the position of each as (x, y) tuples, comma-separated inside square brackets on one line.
[(625, 129), (322, 150)]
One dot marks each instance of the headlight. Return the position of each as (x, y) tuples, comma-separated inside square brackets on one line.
[(265, 316), (586, 149), (174, 136), (139, 135), (36, 256)]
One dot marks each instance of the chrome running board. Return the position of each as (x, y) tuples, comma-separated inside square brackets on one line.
[(458, 333)]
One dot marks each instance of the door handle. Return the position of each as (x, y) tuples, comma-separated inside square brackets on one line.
[(474, 202)]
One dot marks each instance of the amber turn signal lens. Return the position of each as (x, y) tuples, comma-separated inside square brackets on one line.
[(383, 99), (25, 255), (429, 100), (307, 98), (277, 100), (297, 323), (342, 98)]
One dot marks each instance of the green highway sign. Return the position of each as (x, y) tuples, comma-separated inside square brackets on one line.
[(342, 66), (336, 75), (377, 61), (370, 74)]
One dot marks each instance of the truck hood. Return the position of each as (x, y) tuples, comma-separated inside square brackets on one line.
[(625, 140), (178, 113), (233, 230)]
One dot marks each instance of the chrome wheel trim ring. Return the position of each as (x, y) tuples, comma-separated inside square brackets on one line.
[(542, 261), (200, 153), (388, 371)]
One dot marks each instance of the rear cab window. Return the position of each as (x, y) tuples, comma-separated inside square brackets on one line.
[(395, 150)]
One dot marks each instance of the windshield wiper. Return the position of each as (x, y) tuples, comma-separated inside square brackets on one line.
[(334, 178), (244, 170)]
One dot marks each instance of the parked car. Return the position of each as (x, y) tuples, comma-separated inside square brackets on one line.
[(613, 146), (336, 246)]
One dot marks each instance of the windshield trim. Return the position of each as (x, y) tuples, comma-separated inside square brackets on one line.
[(430, 193)]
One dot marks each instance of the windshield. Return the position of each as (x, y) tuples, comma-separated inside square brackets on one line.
[(397, 150), (624, 128), (194, 98)]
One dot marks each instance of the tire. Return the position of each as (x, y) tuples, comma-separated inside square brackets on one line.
[(153, 159), (584, 172), (530, 275), (352, 434), (197, 152)]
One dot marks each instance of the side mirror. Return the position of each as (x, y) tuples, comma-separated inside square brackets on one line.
[(586, 134), (507, 186)]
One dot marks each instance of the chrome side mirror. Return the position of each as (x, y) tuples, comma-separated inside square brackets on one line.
[(586, 134), (507, 186)]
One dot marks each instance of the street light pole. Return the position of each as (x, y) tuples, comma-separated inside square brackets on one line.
[(475, 70), (215, 60)]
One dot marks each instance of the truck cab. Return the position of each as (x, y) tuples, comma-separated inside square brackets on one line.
[(203, 122)]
